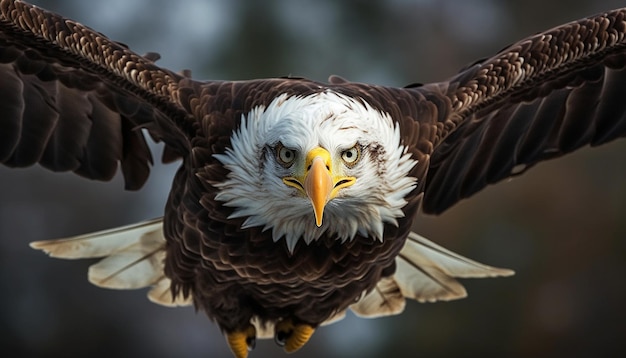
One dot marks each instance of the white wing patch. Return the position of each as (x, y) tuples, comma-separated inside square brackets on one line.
[(425, 272), (132, 258)]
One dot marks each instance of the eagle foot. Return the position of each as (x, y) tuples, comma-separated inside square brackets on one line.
[(292, 336), (242, 341)]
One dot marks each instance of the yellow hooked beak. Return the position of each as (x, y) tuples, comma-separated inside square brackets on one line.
[(317, 181)]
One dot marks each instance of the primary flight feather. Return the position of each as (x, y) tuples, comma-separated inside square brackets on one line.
[(295, 199)]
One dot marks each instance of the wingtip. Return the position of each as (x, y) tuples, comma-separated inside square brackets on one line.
[(37, 245), (44, 246), (502, 272), (489, 271)]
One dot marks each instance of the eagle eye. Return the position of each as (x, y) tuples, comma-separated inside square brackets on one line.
[(351, 156), (285, 156)]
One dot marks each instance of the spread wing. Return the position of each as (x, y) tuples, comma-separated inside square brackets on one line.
[(538, 99), (72, 100)]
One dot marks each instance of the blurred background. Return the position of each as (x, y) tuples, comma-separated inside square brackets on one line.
[(561, 226)]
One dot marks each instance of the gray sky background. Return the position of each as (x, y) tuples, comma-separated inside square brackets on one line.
[(561, 226)]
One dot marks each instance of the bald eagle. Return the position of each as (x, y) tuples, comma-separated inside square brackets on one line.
[(295, 199)]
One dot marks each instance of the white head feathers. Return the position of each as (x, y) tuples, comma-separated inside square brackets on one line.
[(335, 122)]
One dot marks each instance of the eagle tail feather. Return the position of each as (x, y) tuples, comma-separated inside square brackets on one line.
[(425, 272), (132, 258)]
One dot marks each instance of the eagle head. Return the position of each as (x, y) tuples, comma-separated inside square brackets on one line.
[(324, 163)]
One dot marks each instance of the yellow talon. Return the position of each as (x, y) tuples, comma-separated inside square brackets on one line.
[(241, 342), (292, 336)]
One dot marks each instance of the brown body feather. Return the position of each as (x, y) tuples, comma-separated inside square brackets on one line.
[(74, 100), (235, 274)]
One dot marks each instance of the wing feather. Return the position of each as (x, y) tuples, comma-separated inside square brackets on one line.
[(425, 272), (538, 99), (11, 108), (73, 100), (132, 257)]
